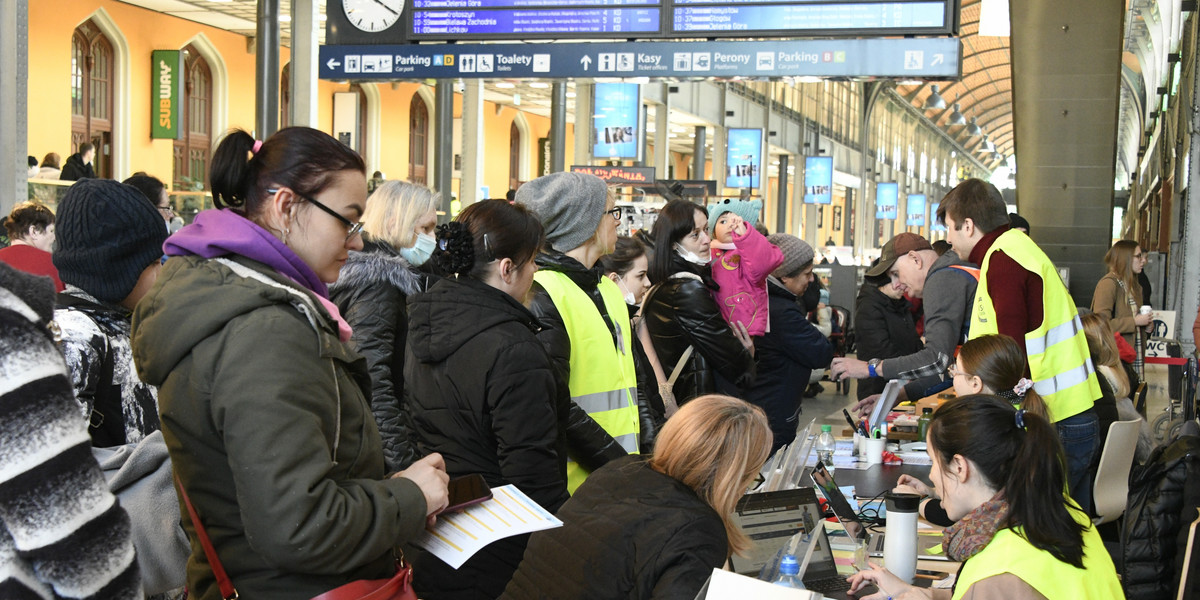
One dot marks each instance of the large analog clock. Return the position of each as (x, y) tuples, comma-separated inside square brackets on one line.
[(373, 15)]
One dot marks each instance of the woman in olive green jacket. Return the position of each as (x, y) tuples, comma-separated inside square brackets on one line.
[(263, 405)]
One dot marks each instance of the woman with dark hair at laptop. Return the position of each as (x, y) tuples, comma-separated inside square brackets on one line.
[(999, 471), (654, 527)]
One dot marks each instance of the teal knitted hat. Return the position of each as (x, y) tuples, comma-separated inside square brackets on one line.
[(748, 210)]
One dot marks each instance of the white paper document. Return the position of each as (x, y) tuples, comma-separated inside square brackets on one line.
[(458, 536), (724, 585)]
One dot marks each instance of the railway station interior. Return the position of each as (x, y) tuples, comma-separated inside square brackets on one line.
[(1082, 113)]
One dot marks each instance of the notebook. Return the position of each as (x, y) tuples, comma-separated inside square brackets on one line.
[(929, 547), (771, 520)]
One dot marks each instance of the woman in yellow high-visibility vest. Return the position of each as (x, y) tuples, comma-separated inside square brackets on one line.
[(1000, 474)]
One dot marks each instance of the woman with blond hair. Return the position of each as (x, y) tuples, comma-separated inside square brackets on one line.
[(657, 527), (1118, 295), (372, 293)]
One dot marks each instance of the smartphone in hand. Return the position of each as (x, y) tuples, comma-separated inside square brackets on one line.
[(467, 491)]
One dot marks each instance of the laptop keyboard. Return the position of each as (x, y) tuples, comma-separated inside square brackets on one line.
[(833, 583)]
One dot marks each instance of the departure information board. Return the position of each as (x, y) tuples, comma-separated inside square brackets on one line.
[(515, 20)]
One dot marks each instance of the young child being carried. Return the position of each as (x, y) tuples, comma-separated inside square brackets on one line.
[(742, 258)]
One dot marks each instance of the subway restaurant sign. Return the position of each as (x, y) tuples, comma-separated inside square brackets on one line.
[(166, 92)]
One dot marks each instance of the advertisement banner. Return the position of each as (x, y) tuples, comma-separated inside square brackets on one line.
[(934, 225), (916, 210), (818, 180), (166, 92), (887, 195), (743, 158), (618, 175), (617, 111)]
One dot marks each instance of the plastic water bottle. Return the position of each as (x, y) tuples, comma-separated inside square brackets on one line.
[(789, 573), (900, 544), (825, 446)]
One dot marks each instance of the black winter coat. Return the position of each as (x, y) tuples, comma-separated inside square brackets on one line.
[(372, 294), (884, 328), (588, 443), (785, 357), (75, 169), (1163, 497), (484, 395), (681, 312), (629, 532)]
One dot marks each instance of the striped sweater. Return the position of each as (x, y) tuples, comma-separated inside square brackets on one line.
[(62, 533)]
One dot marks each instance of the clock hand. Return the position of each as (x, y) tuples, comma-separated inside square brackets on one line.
[(389, 9)]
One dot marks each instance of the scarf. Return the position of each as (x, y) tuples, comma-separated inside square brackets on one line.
[(971, 534), (1138, 345)]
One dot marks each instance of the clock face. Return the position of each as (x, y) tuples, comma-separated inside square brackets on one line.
[(373, 15)]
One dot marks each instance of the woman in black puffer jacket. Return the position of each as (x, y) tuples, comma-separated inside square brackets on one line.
[(680, 311), (371, 292)]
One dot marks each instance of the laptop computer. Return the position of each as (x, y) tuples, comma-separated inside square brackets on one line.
[(929, 547), (771, 520)]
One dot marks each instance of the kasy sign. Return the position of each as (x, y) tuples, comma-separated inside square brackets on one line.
[(166, 92)]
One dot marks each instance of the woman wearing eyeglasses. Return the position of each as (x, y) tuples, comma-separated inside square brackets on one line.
[(263, 405), (585, 322), (1118, 295)]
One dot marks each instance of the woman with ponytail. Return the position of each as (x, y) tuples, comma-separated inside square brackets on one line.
[(263, 405), (999, 471), (481, 386)]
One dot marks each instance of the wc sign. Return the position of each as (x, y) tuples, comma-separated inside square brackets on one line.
[(166, 92)]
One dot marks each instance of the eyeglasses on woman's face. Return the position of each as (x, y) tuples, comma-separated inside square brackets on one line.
[(352, 228), (615, 213)]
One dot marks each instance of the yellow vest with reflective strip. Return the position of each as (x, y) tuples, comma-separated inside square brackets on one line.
[(1052, 578), (1059, 361), (603, 380)]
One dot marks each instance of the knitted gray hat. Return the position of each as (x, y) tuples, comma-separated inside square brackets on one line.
[(106, 234), (568, 204), (796, 252), (748, 210)]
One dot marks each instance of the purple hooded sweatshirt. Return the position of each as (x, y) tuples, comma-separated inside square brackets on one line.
[(223, 232)]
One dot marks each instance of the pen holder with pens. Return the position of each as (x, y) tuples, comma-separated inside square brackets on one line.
[(872, 450)]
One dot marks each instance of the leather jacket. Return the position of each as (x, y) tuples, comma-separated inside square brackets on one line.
[(681, 312)]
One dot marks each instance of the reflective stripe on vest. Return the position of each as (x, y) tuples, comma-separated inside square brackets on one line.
[(1059, 361), (603, 381), (1008, 552)]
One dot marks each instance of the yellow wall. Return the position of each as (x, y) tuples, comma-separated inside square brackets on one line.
[(49, 104)]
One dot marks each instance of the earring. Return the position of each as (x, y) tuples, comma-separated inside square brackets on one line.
[(286, 232)]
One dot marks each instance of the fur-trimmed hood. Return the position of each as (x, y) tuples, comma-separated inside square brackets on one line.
[(377, 263)]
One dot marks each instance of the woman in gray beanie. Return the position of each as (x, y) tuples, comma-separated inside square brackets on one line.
[(587, 330)]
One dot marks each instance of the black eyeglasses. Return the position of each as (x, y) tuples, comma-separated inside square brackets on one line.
[(352, 228), (615, 213)]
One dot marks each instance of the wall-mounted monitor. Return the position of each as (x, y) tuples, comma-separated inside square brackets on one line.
[(818, 180), (916, 210), (887, 195), (616, 120), (934, 225), (743, 158)]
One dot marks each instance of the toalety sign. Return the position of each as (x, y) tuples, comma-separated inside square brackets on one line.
[(618, 175), (166, 93)]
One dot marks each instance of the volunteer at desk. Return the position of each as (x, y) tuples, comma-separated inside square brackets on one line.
[(1000, 475)]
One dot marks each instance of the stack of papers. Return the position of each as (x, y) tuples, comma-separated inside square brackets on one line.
[(458, 536)]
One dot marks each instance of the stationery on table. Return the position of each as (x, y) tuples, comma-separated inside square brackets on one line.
[(458, 536)]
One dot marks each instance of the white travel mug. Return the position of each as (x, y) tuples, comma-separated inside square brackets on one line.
[(900, 543), (1146, 309)]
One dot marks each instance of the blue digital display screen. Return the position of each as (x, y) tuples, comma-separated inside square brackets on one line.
[(617, 110), (934, 225), (535, 21), (916, 210), (803, 17), (486, 4), (743, 158), (886, 199), (818, 180)]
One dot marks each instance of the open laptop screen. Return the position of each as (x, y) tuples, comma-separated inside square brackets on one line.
[(770, 520), (837, 501)]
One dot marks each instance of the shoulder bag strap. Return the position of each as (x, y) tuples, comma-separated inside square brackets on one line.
[(1139, 344), (228, 592)]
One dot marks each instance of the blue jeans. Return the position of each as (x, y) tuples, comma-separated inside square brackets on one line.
[(1080, 436)]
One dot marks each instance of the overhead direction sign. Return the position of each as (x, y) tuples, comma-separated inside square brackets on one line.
[(928, 58)]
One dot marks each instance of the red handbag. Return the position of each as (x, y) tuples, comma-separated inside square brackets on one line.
[(398, 587)]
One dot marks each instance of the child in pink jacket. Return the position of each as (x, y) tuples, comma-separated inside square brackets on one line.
[(741, 260)]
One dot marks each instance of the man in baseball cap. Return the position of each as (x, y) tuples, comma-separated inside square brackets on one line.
[(914, 268)]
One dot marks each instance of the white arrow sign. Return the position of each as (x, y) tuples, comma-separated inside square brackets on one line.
[(938, 59), (585, 61), (333, 64)]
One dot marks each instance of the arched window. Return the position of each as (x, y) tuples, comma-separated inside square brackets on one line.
[(514, 156), (418, 136), (92, 84), (191, 150)]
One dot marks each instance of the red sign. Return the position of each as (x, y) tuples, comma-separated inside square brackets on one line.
[(618, 175)]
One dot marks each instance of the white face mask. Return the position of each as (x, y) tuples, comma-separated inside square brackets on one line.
[(690, 256), (421, 251), (629, 297)]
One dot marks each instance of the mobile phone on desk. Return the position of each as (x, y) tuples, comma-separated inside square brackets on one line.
[(468, 490)]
